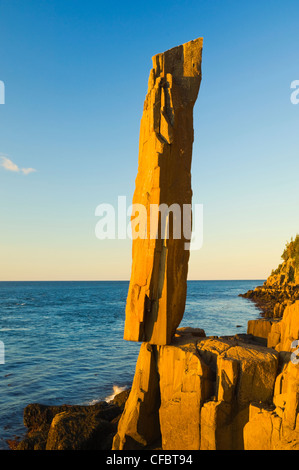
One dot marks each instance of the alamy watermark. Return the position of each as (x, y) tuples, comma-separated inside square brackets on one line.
[(156, 221), (2, 353), (2, 92), (295, 354), (295, 94)]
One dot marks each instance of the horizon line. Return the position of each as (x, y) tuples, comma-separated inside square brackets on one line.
[(122, 280)]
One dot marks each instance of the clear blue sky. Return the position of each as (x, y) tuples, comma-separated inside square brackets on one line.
[(75, 77)]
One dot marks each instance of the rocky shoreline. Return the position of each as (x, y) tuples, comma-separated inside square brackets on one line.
[(272, 301), (236, 392), (281, 289), (204, 393), (71, 427)]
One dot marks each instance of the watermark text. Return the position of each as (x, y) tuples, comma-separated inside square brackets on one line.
[(2, 92), (295, 94), (152, 222), (2, 353), (295, 354)]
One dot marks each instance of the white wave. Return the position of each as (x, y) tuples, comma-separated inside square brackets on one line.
[(116, 391), (93, 402)]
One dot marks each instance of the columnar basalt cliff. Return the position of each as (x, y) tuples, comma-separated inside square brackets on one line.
[(210, 393), (157, 291), (276, 427), (198, 393)]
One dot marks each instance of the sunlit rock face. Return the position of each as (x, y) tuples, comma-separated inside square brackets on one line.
[(197, 392), (160, 255)]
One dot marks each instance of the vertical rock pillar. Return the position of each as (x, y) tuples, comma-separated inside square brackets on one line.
[(161, 234), (162, 198)]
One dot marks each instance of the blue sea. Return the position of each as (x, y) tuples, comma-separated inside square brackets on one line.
[(64, 342)]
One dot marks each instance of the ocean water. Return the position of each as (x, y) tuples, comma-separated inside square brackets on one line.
[(64, 342)]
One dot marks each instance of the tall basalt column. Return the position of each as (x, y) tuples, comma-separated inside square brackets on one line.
[(158, 285)]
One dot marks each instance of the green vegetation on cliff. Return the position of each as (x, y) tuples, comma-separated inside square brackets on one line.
[(282, 286), (292, 251), (288, 271)]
